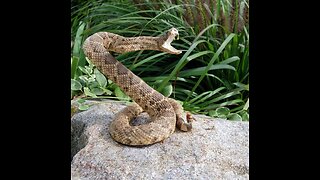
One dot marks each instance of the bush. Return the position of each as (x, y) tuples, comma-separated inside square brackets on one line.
[(211, 74)]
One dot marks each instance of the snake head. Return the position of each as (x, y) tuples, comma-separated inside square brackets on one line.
[(173, 32), (169, 37)]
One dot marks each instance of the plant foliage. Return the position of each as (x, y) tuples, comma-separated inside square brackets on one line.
[(210, 77)]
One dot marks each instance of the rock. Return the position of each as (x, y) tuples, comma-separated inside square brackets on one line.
[(214, 149)]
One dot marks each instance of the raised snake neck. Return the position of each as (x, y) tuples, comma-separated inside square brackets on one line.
[(96, 47)]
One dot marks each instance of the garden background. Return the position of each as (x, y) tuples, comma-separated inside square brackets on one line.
[(210, 76)]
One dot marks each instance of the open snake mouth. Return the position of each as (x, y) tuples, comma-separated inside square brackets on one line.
[(172, 33)]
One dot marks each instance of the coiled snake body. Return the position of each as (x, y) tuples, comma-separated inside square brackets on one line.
[(164, 112)]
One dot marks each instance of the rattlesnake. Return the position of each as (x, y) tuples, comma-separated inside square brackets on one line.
[(164, 112)]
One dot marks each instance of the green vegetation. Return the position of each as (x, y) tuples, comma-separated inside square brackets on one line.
[(210, 77)]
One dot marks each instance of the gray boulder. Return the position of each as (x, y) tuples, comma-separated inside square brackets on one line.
[(214, 149)]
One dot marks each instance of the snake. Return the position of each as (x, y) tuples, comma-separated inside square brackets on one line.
[(165, 113)]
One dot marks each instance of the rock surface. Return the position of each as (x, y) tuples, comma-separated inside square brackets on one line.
[(215, 149)]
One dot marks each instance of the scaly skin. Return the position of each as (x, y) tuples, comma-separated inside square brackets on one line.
[(164, 112)]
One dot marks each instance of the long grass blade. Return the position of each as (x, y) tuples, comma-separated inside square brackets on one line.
[(216, 55), (179, 64)]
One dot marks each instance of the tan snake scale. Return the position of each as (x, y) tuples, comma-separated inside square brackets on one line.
[(165, 113)]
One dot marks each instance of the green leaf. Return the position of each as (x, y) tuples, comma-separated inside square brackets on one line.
[(243, 86), (93, 84), (134, 66), (88, 69), (106, 91), (167, 90), (80, 101), (91, 79), (83, 107), (226, 103), (197, 99), (120, 94), (246, 106), (230, 60), (245, 116), (213, 113), (87, 92), (223, 111), (77, 41), (112, 86), (199, 71), (234, 117), (101, 79), (75, 85), (74, 65), (97, 91), (196, 55), (84, 70), (223, 96), (222, 116), (210, 46), (84, 78), (205, 93), (89, 62)]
